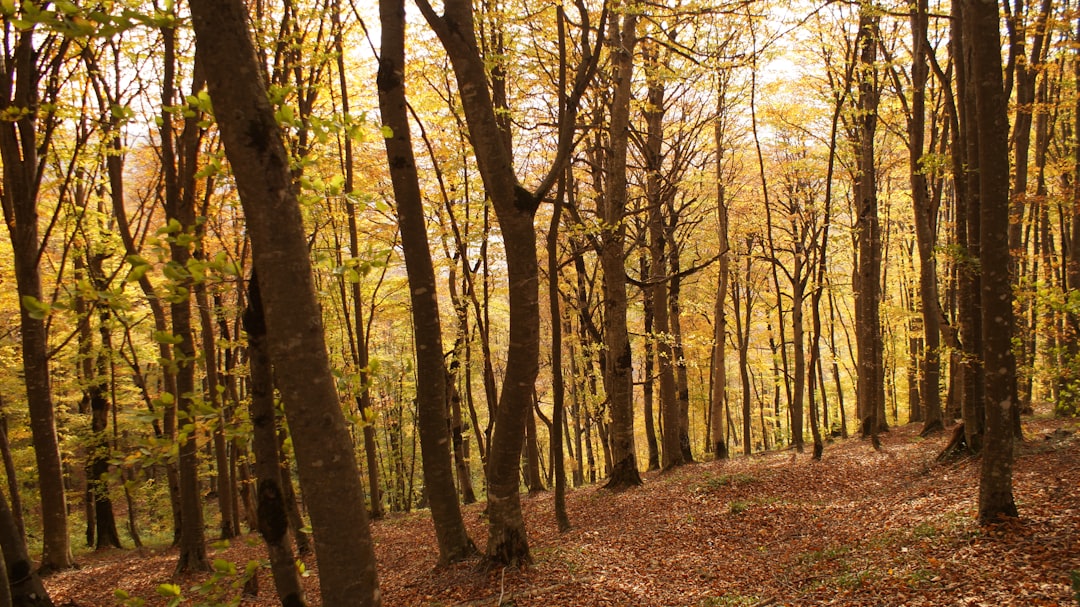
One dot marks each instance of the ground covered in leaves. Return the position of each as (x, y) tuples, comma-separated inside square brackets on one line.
[(860, 527)]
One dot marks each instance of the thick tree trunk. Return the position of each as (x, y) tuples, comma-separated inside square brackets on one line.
[(321, 440), (991, 117), (966, 169), (871, 395), (618, 371)]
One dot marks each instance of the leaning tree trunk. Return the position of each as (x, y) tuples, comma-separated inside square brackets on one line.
[(19, 578), (515, 207), (324, 448)]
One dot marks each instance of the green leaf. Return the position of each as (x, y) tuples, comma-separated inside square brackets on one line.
[(7, 7), (173, 227), (387, 131), (224, 566), (164, 337), (168, 590), (36, 308), (137, 272)]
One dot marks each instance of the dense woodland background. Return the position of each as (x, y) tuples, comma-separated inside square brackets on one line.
[(287, 266)]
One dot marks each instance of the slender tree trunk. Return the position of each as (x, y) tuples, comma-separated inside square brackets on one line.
[(431, 397), (649, 369), (717, 426), (925, 229), (661, 334), (19, 148), (558, 387), (226, 487), (273, 515), (179, 205), (21, 582)]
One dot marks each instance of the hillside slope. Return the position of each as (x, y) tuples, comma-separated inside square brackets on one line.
[(858, 528)]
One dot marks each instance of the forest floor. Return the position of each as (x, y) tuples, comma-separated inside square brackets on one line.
[(861, 527)]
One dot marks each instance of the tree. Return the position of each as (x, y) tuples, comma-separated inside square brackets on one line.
[(272, 515), (32, 58), (871, 391), (179, 201), (432, 403), (618, 361), (999, 364), (329, 474), (515, 208)]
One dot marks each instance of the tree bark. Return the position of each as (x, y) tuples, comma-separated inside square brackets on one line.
[(871, 395), (618, 361), (273, 518), (20, 579), (925, 229)]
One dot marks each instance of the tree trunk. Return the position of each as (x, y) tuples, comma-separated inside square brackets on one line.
[(925, 229), (660, 335), (323, 446), (273, 518), (19, 148), (992, 122), (966, 169), (20, 579), (871, 395), (717, 425), (618, 370), (179, 183), (558, 388), (431, 397)]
